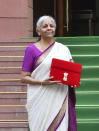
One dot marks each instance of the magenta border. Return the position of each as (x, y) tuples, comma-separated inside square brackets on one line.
[(60, 122), (56, 117)]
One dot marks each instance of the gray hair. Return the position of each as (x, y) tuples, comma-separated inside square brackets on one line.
[(41, 19)]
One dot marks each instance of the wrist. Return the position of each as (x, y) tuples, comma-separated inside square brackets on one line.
[(40, 82)]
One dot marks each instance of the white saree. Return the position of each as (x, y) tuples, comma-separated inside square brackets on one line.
[(44, 103)]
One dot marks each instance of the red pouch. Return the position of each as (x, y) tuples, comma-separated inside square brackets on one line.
[(68, 73)]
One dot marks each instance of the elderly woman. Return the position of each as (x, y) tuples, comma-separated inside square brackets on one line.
[(50, 105)]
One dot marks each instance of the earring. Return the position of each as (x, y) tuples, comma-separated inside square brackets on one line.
[(39, 34)]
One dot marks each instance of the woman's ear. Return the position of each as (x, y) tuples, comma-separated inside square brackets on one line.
[(38, 32)]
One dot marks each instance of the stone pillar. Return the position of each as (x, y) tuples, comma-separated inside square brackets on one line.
[(13, 19), (30, 18)]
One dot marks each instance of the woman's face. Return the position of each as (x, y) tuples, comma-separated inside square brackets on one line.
[(47, 29)]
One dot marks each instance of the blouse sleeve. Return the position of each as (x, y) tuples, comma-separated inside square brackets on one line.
[(28, 60)]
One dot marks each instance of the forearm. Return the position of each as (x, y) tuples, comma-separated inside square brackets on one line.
[(30, 80), (27, 79)]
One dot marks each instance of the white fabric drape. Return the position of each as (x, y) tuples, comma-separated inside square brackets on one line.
[(44, 102)]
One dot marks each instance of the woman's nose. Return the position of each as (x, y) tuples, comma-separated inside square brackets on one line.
[(49, 27)]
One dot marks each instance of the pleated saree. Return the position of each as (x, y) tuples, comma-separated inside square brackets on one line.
[(47, 105)]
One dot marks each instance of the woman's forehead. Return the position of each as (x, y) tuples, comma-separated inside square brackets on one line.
[(47, 21)]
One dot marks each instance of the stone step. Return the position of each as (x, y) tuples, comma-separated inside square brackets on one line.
[(16, 42), (87, 40), (11, 59), (87, 112), (87, 98), (87, 85), (12, 48), (86, 72), (10, 64), (10, 70), (84, 50), (14, 129), (10, 82), (13, 88), (12, 109), (11, 53), (82, 98), (87, 60), (13, 95), (13, 125), (12, 101), (90, 72), (10, 76), (75, 49), (88, 126), (13, 116)]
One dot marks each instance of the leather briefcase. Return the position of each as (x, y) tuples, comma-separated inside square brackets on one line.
[(68, 73)]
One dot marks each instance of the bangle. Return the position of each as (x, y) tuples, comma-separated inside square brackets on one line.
[(41, 84)]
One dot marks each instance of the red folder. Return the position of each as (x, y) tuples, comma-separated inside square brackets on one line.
[(68, 73)]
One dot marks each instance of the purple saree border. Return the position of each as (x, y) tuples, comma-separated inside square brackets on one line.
[(56, 117), (42, 52), (60, 122)]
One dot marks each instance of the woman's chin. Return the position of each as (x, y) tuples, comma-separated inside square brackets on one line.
[(49, 36)]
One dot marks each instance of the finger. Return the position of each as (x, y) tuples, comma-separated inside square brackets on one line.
[(60, 83), (56, 81), (53, 82), (49, 78)]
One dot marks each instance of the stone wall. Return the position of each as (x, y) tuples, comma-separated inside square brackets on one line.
[(16, 18)]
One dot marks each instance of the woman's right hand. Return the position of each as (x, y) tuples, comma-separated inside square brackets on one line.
[(49, 82), (26, 78)]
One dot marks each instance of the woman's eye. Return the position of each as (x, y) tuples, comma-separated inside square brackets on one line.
[(51, 25), (44, 26)]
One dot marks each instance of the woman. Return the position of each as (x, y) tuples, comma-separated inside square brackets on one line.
[(50, 105)]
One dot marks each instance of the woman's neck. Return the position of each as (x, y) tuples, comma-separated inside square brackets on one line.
[(47, 41)]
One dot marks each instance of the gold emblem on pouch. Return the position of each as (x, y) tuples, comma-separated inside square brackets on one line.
[(65, 76)]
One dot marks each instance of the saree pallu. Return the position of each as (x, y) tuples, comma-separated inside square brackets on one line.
[(47, 105)]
